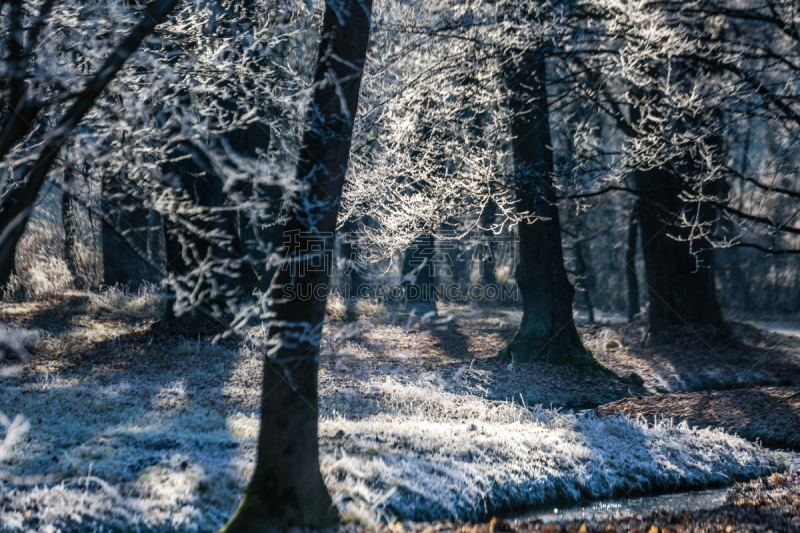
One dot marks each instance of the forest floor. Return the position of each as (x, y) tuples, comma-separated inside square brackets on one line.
[(132, 427), (746, 379)]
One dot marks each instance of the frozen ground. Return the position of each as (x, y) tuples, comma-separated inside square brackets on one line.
[(121, 432)]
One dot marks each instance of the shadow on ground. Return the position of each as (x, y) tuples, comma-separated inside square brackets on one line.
[(154, 414), (694, 359)]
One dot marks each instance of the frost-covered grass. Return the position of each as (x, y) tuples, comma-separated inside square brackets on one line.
[(148, 447), (115, 300), (430, 454), (46, 277), (163, 439)]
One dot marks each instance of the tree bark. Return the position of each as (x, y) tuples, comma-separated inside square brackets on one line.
[(547, 331), (458, 254), (188, 248), (287, 487), (249, 141), (680, 284), (630, 264)]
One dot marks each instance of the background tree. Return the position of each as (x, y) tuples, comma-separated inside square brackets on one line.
[(547, 331), (24, 104), (630, 264)]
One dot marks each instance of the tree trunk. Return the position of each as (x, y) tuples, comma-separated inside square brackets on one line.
[(458, 254), (681, 285), (68, 222), (249, 141), (124, 236), (353, 279), (7, 271), (486, 253), (586, 285), (418, 267), (287, 487), (547, 331), (8, 211), (187, 249), (630, 264)]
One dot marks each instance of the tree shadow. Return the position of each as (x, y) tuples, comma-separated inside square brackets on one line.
[(694, 359), (53, 316), (156, 415), (769, 415), (452, 341)]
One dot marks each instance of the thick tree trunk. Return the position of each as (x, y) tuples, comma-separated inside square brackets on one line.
[(287, 487), (124, 238), (547, 331), (186, 250), (459, 256), (681, 284), (630, 264), (249, 141)]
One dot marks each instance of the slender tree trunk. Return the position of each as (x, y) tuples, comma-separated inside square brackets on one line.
[(68, 223), (287, 487), (155, 240), (630, 264), (487, 248), (175, 266), (547, 331), (584, 275), (681, 285), (353, 279)]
